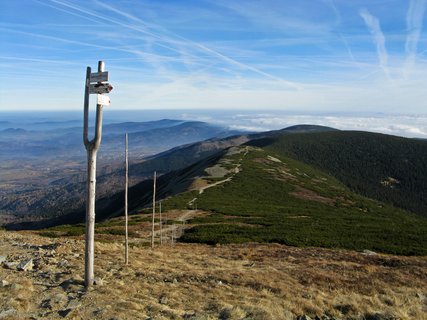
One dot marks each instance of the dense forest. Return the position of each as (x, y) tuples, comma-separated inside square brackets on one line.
[(387, 168)]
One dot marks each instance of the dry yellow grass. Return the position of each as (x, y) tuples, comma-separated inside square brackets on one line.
[(188, 281)]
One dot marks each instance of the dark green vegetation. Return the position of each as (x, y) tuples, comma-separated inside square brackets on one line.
[(66, 230), (293, 203), (387, 168), (113, 227)]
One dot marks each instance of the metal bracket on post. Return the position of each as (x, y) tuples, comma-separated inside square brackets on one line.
[(92, 148)]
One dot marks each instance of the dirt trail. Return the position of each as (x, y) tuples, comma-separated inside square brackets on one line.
[(168, 231), (236, 171), (202, 189), (186, 215)]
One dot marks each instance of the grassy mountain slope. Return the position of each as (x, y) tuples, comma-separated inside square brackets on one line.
[(266, 197), (387, 168)]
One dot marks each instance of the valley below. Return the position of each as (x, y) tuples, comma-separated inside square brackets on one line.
[(43, 165)]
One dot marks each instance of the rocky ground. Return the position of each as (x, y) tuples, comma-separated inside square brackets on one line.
[(42, 278)]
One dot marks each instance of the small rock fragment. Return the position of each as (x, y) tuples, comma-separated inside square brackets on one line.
[(10, 265), (63, 264), (369, 253), (225, 314), (378, 316), (16, 286), (163, 300), (74, 304), (64, 313), (98, 312), (7, 313), (2, 259), (46, 304), (189, 315), (307, 296), (3, 283), (419, 295), (70, 284), (25, 265), (98, 281), (56, 302), (51, 253)]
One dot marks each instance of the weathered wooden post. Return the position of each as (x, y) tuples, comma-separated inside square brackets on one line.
[(154, 210), (126, 201), (92, 148)]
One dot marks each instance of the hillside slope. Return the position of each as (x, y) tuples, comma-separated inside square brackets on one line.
[(387, 168), (262, 196)]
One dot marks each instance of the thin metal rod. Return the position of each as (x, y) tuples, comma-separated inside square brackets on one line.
[(126, 201), (154, 210), (166, 220), (160, 217)]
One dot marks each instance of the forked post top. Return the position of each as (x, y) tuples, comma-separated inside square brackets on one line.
[(101, 66)]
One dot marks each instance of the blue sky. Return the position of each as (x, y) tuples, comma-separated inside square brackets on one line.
[(310, 55)]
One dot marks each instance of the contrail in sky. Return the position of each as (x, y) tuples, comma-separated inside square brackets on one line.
[(374, 26), (173, 42), (414, 23)]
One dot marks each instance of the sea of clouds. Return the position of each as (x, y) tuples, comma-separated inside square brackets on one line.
[(406, 125), (412, 126)]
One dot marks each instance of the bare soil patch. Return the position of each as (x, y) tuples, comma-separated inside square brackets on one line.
[(306, 194)]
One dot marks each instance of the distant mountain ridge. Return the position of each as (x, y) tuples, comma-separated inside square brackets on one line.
[(306, 128), (52, 179), (130, 127), (152, 136)]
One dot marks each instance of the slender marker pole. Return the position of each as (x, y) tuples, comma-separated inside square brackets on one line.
[(154, 210), (173, 234), (160, 216), (166, 220), (126, 201)]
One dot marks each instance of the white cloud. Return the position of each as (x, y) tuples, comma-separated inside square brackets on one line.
[(414, 23), (378, 37), (395, 124)]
